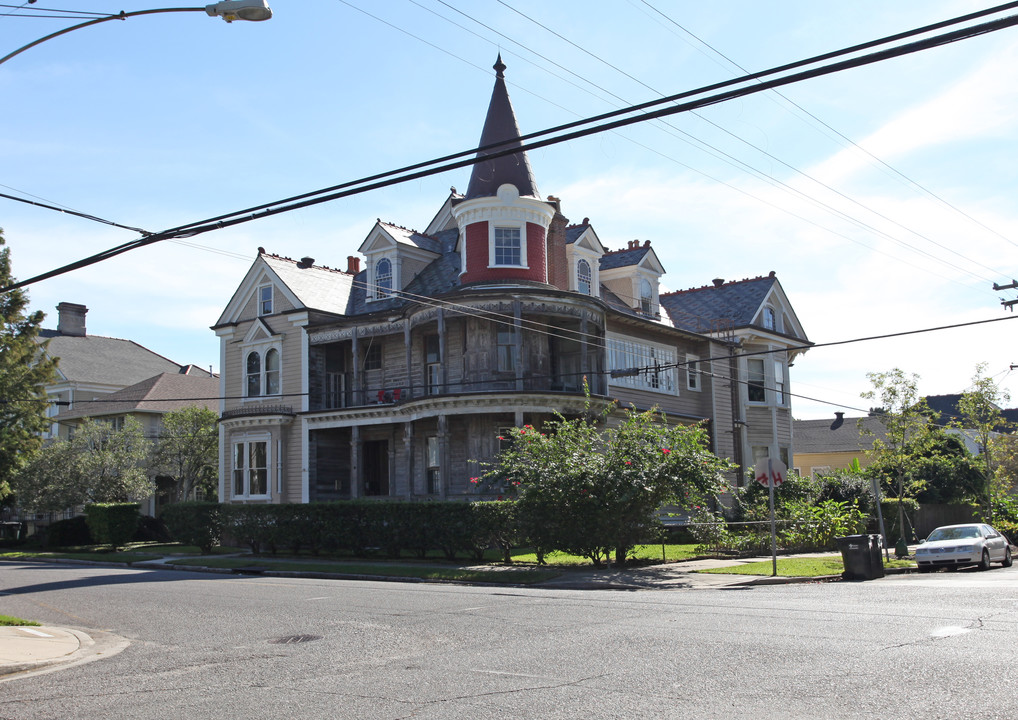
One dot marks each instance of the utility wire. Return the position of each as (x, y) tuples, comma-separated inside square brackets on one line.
[(858, 147), (521, 146)]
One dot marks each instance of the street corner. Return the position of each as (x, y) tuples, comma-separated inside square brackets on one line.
[(27, 651)]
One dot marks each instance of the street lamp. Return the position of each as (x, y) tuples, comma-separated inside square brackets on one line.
[(230, 10)]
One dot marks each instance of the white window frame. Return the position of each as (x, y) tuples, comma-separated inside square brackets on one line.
[(245, 443), (694, 379), (380, 293), (521, 228), (754, 379), (780, 395), (625, 353), (266, 300), (262, 350), (433, 460), (770, 319), (580, 263)]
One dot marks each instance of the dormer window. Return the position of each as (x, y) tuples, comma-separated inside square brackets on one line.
[(583, 279), (770, 321), (508, 246), (265, 300), (646, 296), (383, 278)]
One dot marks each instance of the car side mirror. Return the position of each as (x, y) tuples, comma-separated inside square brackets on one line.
[(922, 541)]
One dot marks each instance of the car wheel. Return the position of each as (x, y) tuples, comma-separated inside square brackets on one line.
[(1007, 558), (984, 563)]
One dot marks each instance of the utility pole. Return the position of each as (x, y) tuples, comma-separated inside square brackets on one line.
[(1009, 304)]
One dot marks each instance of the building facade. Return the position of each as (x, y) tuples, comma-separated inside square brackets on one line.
[(400, 378)]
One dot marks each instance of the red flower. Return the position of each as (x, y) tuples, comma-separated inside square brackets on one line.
[(475, 480), (665, 450), (629, 462)]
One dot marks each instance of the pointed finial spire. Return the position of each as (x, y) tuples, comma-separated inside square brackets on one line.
[(499, 67)]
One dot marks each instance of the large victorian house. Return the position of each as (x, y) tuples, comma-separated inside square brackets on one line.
[(398, 378)]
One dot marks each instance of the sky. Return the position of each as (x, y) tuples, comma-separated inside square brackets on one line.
[(883, 197)]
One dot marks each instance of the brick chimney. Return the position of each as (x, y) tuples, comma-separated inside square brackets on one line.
[(558, 265), (71, 319), (353, 265)]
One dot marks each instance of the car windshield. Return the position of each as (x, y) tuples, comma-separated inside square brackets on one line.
[(953, 533)]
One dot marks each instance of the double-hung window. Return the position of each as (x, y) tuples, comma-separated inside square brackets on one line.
[(434, 464), (251, 469), (265, 300), (505, 348), (692, 372), (779, 382), (755, 380), (508, 246), (433, 364)]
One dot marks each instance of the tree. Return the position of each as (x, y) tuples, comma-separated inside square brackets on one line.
[(981, 417), (587, 488), (905, 417), (99, 464), (188, 452), (24, 374), (942, 466)]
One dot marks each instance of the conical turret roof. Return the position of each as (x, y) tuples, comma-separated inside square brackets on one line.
[(500, 127)]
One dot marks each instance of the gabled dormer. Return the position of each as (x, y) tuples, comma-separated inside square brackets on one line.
[(583, 256), (394, 256), (775, 314), (261, 294), (633, 274)]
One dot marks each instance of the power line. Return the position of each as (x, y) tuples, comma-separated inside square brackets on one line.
[(367, 184)]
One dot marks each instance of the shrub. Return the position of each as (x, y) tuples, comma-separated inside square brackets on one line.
[(195, 523), (152, 529), (112, 523), (65, 533)]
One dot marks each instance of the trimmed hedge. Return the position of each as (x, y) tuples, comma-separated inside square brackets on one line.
[(354, 527), (195, 523), (112, 523)]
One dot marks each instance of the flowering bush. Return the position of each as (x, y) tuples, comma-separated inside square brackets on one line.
[(588, 487)]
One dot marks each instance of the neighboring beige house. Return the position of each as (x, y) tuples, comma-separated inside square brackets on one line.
[(825, 445), (91, 366), (396, 379), (147, 402)]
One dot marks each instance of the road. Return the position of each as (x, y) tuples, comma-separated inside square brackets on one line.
[(221, 646)]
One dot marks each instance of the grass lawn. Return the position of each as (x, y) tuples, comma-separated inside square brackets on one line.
[(94, 555), (7, 620), (798, 567), (642, 554), (521, 575)]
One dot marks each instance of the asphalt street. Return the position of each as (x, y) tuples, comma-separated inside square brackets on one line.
[(213, 646)]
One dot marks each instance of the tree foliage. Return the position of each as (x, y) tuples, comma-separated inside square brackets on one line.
[(588, 486), (97, 465), (982, 419), (188, 452), (24, 373)]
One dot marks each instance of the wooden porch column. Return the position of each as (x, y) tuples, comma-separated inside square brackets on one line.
[(407, 344), (518, 333), (408, 453), (443, 377), (355, 461), (358, 391), (443, 456)]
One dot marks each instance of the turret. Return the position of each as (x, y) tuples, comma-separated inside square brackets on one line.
[(503, 223)]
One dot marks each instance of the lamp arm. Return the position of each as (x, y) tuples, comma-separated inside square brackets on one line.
[(119, 16)]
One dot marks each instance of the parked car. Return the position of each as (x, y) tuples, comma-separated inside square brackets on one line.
[(960, 545)]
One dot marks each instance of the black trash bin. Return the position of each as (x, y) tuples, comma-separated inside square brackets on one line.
[(861, 557)]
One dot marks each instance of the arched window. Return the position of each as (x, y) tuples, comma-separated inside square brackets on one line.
[(770, 321), (262, 373), (272, 372), (583, 277), (646, 296), (383, 278), (254, 374)]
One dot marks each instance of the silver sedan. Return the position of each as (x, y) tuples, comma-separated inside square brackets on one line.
[(960, 545)]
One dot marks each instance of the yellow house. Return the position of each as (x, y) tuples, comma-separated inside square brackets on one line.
[(825, 445)]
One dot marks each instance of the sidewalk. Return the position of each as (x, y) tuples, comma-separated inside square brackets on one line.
[(29, 649)]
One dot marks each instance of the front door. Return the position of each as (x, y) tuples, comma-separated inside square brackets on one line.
[(375, 467)]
